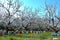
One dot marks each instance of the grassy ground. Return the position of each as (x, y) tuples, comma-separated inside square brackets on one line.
[(41, 36)]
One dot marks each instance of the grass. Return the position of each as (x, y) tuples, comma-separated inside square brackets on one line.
[(41, 36)]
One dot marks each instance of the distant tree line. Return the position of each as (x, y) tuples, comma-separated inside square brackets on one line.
[(13, 18)]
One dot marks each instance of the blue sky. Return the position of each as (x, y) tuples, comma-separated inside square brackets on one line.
[(33, 3), (40, 4)]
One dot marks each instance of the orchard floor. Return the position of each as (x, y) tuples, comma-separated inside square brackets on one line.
[(40, 36)]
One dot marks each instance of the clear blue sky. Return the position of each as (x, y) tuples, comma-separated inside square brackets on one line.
[(40, 3)]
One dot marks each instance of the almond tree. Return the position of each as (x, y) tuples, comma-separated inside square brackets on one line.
[(12, 8), (51, 10), (28, 18)]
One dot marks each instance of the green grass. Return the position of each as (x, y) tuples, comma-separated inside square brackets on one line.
[(41, 36)]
